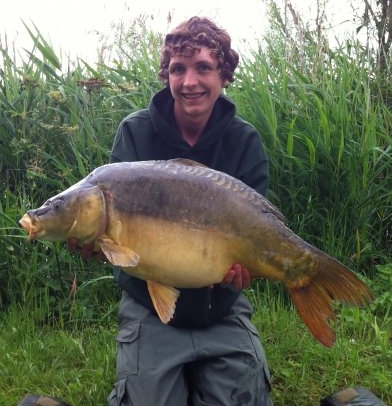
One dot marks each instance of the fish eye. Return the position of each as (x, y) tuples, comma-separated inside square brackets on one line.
[(58, 204)]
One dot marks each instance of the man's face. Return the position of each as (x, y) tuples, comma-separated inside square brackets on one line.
[(195, 83)]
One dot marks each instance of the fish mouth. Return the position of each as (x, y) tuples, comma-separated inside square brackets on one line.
[(31, 225)]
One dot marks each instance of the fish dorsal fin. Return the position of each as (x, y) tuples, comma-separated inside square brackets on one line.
[(117, 254), (188, 162), (164, 299)]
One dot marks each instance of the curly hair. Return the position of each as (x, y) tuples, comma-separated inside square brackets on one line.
[(192, 34)]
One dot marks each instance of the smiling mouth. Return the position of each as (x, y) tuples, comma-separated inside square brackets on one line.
[(193, 96)]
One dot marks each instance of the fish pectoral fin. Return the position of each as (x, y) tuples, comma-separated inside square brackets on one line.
[(164, 299), (119, 255)]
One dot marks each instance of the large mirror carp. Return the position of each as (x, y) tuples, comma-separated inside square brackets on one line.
[(179, 224)]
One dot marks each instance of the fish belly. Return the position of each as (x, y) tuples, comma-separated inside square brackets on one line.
[(179, 254)]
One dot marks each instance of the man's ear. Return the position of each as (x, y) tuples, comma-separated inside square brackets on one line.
[(225, 83)]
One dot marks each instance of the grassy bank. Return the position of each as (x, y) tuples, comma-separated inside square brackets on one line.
[(75, 360)]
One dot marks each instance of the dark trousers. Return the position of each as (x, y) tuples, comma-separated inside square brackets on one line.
[(160, 365)]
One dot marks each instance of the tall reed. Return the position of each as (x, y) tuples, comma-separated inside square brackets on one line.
[(322, 114)]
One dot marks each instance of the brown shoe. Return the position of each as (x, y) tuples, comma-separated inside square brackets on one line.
[(36, 400)]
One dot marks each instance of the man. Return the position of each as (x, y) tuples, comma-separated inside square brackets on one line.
[(210, 353)]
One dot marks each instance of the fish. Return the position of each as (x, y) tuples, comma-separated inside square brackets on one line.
[(179, 224)]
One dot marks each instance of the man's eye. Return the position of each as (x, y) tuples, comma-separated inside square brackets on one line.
[(204, 68), (177, 69)]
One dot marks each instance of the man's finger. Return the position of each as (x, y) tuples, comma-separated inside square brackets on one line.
[(73, 244), (246, 280)]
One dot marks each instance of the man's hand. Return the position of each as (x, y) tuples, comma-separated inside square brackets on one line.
[(86, 251), (238, 276)]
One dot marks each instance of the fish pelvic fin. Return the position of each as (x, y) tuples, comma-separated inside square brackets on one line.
[(164, 299), (119, 255), (332, 282)]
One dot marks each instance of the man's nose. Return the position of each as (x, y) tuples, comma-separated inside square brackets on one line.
[(191, 78)]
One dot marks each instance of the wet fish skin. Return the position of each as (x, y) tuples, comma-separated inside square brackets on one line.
[(178, 224)]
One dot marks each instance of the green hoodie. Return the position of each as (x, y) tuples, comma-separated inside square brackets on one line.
[(230, 145)]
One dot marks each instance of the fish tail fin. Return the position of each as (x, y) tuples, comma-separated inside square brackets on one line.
[(332, 282)]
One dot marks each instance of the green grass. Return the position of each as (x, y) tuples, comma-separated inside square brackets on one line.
[(77, 364), (304, 372), (75, 359)]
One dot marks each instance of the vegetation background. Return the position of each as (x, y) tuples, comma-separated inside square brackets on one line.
[(325, 117)]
